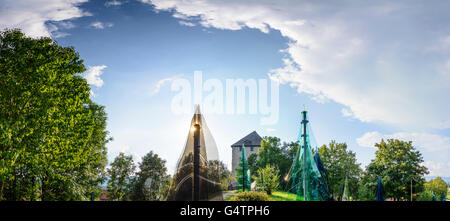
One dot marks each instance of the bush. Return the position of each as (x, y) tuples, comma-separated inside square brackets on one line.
[(425, 196), (267, 179), (437, 186), (251, 196)]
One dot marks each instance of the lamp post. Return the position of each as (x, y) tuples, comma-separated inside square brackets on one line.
[(412, 187), (196, 183), (304, 122)]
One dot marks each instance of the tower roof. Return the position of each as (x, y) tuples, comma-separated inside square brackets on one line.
[(251, 140)]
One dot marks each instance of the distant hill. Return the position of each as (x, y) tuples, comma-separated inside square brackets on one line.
[(446, 179)]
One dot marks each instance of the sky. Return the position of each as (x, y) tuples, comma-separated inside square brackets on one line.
[(363, 70)]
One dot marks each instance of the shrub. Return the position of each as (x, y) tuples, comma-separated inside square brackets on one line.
[(425, 196), (267, 179), (437, 186), (251, 196)]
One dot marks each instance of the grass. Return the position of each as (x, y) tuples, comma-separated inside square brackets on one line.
[(275, 196), (229, 194), (283, 196)]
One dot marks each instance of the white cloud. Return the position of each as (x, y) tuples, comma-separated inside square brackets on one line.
[(32, 16), (101, 25), (113, 3), (346, 113), (55, 28), (369, 139), (92, 75), (161, 83), (185, 23), (438, 168), (430, 142), (370, 57), (58, 34), (66, 25)]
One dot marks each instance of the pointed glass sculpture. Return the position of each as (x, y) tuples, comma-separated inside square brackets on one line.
[(305, 176), (243, 173), (323, 188), (345, 192), (379, 196), (197, 176)]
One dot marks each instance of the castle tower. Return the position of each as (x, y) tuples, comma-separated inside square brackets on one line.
[(251, 142)]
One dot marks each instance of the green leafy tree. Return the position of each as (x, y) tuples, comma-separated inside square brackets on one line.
[(426, 195), (151, 180), (52, 136), (437, 186), (340, 163), (270, 152), (120, 177), (268, 179), (398, 164), (218, 168), (252, 161), (274, 153)]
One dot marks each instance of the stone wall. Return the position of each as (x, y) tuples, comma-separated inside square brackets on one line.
[(236, 156)]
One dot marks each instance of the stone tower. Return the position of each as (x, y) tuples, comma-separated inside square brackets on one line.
[(252, 143)]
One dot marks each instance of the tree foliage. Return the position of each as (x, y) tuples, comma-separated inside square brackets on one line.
[(437, 186), (252, 162), (274, 153), (340, 164), (152, 180), (218, 168), (52, 136), (426, 195), (398, 164), (267, 179), (121, 177)]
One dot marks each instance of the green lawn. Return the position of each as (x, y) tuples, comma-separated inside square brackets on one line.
[(283, 196), (276, 196)]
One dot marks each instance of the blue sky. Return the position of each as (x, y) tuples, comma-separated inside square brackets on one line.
[(365, 71)]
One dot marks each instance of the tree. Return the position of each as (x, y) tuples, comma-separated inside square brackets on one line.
[(426, 195), (252, 162), (437, 186), (267, 179), (52, 136), (340, 164), (120, 177), (151, 180), (218, 168), (398, 164), (270, 152), (274, 153)]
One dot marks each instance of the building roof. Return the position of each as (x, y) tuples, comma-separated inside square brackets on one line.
[(251, 140)]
